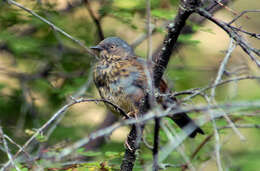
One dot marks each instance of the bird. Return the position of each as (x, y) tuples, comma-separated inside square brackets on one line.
[(122, 78)]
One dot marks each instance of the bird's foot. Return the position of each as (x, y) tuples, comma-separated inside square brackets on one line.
[(128, 146), (130, 115)]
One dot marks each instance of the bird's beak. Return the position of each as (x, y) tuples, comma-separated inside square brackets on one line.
[(97, 48)]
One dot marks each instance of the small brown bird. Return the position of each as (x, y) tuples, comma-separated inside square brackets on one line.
[(121, 78)]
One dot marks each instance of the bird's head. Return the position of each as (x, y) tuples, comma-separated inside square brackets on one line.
[(113, 48)]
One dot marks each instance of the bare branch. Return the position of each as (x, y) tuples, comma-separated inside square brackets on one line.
[(216, 134), (149, 30), (198, 91), (242, 126), (56, 116), (95, 19), (255, 35), (201, 145), (156, 144), (218, 79), (9, 155), (172, 135), (52, 25), (13, 142), (174, 28), (133, 144), (241, 14), (151, 115), (222, 67), (233, 34)]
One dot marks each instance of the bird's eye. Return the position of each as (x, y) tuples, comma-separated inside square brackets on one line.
[(112, 47)]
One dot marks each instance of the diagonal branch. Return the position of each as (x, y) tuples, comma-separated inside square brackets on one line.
[(241, 14), (9, 155), (217, 81), (95, 19), (53, 119), (53, 26), (186, 8), (151, 115), (247, 48)]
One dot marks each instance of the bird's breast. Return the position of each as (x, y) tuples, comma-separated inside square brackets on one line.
[(115, 83)]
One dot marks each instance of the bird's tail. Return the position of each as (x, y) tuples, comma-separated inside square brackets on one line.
[(183, 121)]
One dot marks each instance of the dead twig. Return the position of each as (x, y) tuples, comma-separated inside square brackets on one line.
[(241, 14), (247, 48), (11, 2), (55, 117), (9, 155), (95, 19)]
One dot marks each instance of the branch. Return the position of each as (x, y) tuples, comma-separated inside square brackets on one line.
[(222, 67), (201, 145), (241, 14), (242, 126), (56, 116), (9, 155), (221, 71), (214, 7), (53, 26), (198, 91), (132, 146), (233, 34), (173, 136), (216, 134), (96, 20), (156, 144), (246, 32), (174, 28), (151, 115)]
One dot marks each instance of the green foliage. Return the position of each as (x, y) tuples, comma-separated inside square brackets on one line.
[(82, 151), (22, 168), (187, 39), (163, 14)]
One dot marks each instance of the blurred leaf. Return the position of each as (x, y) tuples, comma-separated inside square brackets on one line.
[(89, 153), (112, 153), (163, 14), (187, 39), (196, 27), (41, 138), (133, 4)]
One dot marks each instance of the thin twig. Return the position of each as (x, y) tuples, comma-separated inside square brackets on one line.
[(247, 48), (172, 135), (241, 126), (95, 19), (222, 68), (56, 116), (241, 14), (216, 134), (52, 25), (198, 91), (146, 117), (220, 73), (200, 146), (226, 7), (149, 30), (255, 35), (9, 155), (151, 115), (13, 142)]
